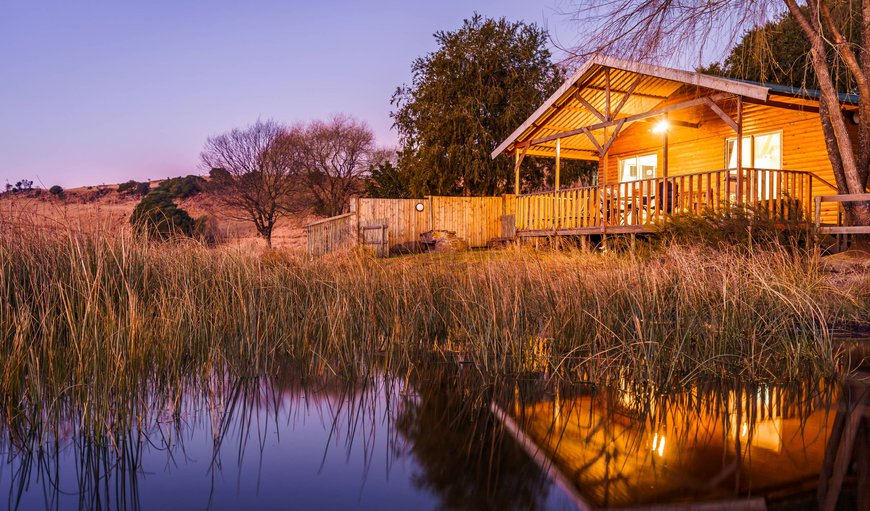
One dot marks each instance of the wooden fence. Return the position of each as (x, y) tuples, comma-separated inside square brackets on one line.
[(332, 234), (477, 220)]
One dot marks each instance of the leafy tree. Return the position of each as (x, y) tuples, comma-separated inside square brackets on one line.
[(157, 215), (23, 185), (386, 180), (779, 52), (56, 190), (254, 171), (466, 97), (132, 187)]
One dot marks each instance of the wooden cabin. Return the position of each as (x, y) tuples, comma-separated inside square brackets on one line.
[(666, 141)]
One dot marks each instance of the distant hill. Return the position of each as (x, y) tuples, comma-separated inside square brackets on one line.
[(103, 208)]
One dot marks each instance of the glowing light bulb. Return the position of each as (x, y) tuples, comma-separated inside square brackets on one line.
[(661, 126)]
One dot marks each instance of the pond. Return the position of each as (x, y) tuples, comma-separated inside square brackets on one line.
[(441, 439)]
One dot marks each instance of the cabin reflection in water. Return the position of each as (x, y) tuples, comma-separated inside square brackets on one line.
[(633, 447)]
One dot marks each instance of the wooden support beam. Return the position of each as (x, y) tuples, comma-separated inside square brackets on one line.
[(631, 118), (558, 161), (592, 138), (637, 94), (784, 105), (607, 93), (739, 129), (519, 162), (721, 113), (606, 146), (665, 150), (590, 107), (627, 95), (675, 122)]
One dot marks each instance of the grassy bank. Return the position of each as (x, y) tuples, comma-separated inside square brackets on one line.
[(95, 315)]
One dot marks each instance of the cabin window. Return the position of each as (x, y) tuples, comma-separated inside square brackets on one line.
[(761, 151), (641, 166)]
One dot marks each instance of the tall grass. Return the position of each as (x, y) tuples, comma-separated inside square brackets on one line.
[(91, 316)]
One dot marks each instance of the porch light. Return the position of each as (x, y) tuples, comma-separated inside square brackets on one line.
[(661, 126)]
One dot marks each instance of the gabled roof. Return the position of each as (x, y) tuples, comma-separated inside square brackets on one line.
[(650, 85)]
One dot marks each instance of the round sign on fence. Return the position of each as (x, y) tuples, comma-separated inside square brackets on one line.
[(419, 206)]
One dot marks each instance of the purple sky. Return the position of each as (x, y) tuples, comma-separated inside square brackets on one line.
[(103, 92)]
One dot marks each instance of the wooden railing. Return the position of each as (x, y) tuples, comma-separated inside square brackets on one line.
[(636, 205), (839, 229)]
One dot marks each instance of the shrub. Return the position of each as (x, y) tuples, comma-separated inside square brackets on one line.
[(56, 190), (182, 187), (737, 227), (132, 187), (23, 185), (158, 216)]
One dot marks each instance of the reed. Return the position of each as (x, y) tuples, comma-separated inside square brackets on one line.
[(89, 316)]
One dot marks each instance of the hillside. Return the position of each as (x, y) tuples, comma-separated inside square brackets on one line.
[(103, 208)]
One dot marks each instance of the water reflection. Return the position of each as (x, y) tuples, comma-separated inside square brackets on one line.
[(429, 440), (634, 446), (286, 440)]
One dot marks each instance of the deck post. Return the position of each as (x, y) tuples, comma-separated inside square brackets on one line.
[(739, 149), (518, 158), (665, 149), (558, 162)]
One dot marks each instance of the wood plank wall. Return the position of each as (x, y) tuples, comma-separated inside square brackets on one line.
[(702, 149)]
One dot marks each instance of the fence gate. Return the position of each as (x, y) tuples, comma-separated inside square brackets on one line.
[(376, 234)]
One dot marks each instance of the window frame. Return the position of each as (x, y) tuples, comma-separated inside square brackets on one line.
[(636, 157), (751, 137)]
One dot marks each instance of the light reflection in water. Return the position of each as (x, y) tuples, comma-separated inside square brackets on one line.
[(631, 445), (423, 441)]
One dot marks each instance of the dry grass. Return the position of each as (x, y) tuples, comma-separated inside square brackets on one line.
[(96, 314), (109, 215)]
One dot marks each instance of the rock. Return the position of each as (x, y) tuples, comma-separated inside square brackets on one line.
[(443, 241), (850, 261)]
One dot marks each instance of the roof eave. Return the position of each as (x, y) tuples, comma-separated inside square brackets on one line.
[(758, 92)]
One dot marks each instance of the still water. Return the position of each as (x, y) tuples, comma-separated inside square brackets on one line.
[(439, 441)]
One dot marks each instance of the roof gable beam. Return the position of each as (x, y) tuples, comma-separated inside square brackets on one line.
[(591, 108), (652, 113), (628, 94), (721, 113)]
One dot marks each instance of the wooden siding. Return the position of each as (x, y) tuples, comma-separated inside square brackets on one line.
[(692, 150)]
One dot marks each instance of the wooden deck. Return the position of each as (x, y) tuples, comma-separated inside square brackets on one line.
[(637, 206)]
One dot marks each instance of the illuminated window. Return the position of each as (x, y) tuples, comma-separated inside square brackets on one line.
[(761, 151), (642, 166)]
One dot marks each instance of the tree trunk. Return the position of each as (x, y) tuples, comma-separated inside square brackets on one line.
[(858, 213)]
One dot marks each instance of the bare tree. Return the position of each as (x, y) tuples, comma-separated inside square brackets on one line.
[(337, 155), (253, 172), (660, 29)]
